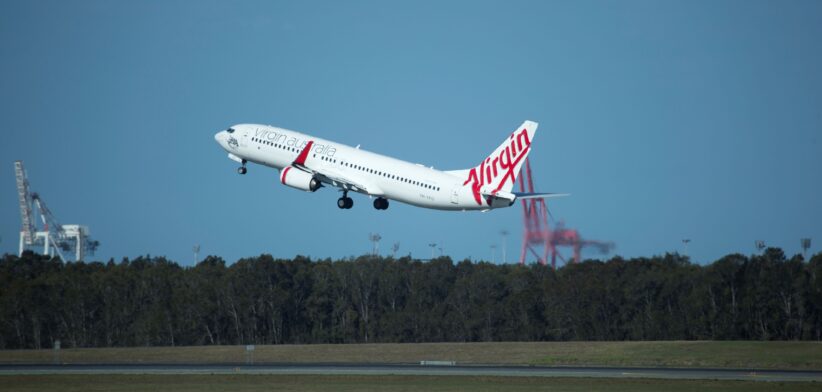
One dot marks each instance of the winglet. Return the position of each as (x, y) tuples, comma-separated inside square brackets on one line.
[(300, 161)]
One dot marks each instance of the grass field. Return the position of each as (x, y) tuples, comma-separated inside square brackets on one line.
[(205, 383), (742, 354)]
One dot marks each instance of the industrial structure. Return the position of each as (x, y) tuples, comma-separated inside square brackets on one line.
[(537, 233), (68, 242)]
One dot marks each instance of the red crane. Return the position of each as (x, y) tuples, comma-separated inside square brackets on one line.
[(538, 233)]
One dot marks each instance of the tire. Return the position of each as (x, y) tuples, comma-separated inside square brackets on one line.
[(380, 203)]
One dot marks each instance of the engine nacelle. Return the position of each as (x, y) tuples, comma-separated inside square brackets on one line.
[(299, 179)]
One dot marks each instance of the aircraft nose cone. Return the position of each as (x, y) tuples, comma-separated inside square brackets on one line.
[(220, 137)]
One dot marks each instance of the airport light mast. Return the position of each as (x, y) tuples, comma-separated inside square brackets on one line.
[(806, 244), (375, 243), (53, 237), (686, 241), (504, 234), (196, 249)]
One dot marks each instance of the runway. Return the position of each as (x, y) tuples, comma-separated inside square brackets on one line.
[(417, 370)]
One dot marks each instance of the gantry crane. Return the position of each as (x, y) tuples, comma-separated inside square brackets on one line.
[(54, 238), (537, 231)]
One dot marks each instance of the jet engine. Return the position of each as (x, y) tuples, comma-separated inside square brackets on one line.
[(299, 179)]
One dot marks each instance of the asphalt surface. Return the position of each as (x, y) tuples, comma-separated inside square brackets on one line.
[(416, 370)]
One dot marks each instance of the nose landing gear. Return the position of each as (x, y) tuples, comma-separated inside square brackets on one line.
[(242, 169)]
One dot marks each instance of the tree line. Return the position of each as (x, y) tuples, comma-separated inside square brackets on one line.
[(152, 301)]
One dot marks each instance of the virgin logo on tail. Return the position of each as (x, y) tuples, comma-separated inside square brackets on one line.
[(497, 170)]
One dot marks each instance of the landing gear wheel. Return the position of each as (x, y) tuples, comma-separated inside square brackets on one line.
[(380, 203), (241, 170), (345, 202)]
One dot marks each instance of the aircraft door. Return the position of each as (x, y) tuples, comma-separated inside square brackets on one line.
[(455, 196)]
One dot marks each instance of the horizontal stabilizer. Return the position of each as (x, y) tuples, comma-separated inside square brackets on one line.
[(521, 195)]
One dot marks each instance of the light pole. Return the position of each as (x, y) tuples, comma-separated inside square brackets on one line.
[(375, 239), (433, 245), (504, 235), (196, 250), (686, 241), (806, 244), (493, 254)]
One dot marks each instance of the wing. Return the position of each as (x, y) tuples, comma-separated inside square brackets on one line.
[(332, 176), (346, 181)]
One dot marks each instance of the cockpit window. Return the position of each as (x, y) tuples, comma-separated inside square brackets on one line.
[(230, 130)]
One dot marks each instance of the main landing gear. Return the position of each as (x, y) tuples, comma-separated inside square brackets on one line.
[(381, 203), (242, 169), (345, 202)]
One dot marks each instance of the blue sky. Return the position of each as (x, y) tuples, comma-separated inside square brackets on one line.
[(664, 119)]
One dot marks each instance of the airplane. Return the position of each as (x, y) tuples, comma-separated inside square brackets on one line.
[(309, 163)]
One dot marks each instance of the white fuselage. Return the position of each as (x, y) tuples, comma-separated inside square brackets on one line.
[(387, 177)]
